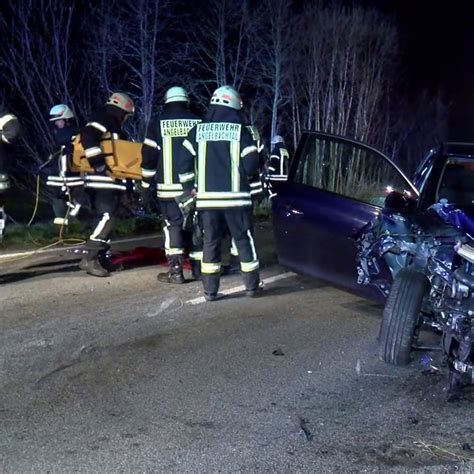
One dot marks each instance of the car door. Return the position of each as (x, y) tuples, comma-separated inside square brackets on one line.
[(336, 187)]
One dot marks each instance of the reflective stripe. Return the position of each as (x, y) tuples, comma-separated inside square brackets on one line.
[(252, 245), (115, 136), (167, 160), (100, 226), (188, 145), (187, 202), (96, 177), (185, 178), (235, 165), (148, 173), (195, 255), (222, 204), (97, 125), (168, 194), (249, 266), (260, 148), (233, 249), (145, 185), (210, 268), (255, 184), (93, 151), (150, 142), (248, 149), (169, 187), (271, 168), (120, 187), (222, 195), (202, 166), (174, 251), (167, 235), (276, 177)]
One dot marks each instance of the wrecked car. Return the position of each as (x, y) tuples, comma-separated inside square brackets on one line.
[(349, 215)]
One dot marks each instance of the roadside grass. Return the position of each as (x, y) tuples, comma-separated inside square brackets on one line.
[(18, 236)]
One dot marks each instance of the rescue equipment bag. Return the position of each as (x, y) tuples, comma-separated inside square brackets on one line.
[(122, 157)]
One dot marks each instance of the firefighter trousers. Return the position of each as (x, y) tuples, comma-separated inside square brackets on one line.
[(104, 203), (173, 229), (216, 223)]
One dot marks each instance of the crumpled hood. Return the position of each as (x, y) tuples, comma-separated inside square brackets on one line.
[(463, 219)]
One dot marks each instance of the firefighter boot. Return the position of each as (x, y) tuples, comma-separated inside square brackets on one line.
[(91, 264), (175, 273)]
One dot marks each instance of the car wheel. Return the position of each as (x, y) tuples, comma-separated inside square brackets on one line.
[(401, 316)]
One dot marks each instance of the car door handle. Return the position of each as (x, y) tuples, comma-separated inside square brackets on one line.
[(291, 211)]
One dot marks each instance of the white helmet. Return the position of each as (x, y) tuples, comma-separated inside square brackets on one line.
[(122, 101), (227, 96), (60, 112), (10, 128), (176, 94), (277, 139)]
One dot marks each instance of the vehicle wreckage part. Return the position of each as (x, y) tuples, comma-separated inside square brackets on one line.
[(401, 316)]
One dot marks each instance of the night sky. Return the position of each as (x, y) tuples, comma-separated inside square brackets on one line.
[(437, 39)]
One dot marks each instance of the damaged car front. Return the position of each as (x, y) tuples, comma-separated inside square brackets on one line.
[(430, 256)]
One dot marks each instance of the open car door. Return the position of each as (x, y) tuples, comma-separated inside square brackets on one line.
[(336, 186)]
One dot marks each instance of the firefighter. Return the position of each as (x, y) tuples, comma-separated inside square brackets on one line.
[(161, 161), (220, 157), (9, 132), (279, 160), (66, 185), (256, 191), (103, 189)]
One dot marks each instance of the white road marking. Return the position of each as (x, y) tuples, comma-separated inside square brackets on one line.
[(238, 289)]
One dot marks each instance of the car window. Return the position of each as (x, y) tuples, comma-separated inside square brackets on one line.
[(456, 185), (348, 169)]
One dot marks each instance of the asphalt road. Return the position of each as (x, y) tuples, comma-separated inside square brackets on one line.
[(126, 374)]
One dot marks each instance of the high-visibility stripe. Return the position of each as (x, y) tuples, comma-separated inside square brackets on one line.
[(186, 177), (97, 125), (145, 185), (271, 168), (93, 151), (188, 145), (235, 165), (210, 268), (174, 251), (202, 150), (64, 178), (100, 226), (151, 143), (167, 160), (168, 194), (170, 187), (276, 177), (222, 204), (195, 255), (233, 249), (255, 184), (248, 149), (187, 202), (120, 187), (222, 195), (252, 245), (249, 266), (97, 177), (148, 173)]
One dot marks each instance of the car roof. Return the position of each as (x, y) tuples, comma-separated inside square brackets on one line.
[(458, 149)]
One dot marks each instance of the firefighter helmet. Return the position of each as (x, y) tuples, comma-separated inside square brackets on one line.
[(228, 97), (176, 94), (60, 112), (122, 101), (277, 139), (10, 128)]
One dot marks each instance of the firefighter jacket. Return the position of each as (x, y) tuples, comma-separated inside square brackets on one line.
[(220, 156), (58, 166), (108, 119), (162, 150), (279, 163), (256, 181)]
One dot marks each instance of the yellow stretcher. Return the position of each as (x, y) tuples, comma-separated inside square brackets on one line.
[(122, 157)]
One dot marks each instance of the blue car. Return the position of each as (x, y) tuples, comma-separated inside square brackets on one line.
[(348, 215)]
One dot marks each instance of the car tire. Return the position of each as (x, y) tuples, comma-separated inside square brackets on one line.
[(401, 316)]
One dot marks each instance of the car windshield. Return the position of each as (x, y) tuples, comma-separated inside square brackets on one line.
[(456, 185)]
